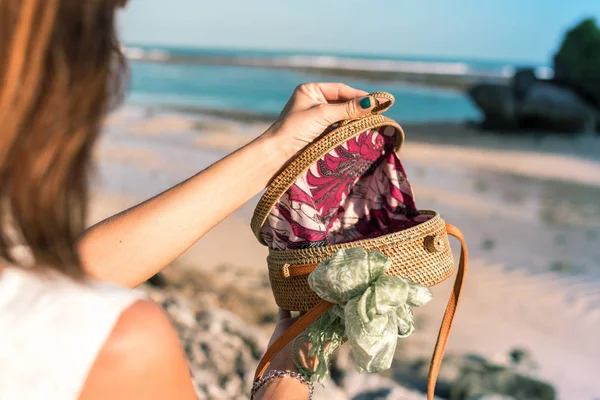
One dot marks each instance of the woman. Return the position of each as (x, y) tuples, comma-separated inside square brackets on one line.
[(70, 328)]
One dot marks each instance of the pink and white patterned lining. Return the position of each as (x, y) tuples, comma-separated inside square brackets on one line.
[(359, 190)]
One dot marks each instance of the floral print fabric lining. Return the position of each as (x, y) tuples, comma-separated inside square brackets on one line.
[(358, 190)]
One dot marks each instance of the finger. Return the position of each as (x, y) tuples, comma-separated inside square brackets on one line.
[(339, 92), (352, 109), (284, 314)]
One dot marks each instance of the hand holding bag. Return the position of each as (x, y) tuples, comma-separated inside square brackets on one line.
[(341, 218)]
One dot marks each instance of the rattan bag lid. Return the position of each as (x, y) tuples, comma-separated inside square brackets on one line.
[(348, 185)]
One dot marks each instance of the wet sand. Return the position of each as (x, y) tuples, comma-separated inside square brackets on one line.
[(529, 208)]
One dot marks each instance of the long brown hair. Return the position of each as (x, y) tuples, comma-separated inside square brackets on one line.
[(60, 72)]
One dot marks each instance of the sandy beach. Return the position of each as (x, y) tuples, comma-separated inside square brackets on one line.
[(529, 208)]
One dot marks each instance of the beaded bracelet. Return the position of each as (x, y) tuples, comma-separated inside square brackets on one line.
[(276, 374)]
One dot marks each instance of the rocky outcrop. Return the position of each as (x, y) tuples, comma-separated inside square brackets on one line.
[(224, 342), (471, 377), (528, 103), (498, 105), (522, 82), (569, 102), (478, 378), (223, 347), (550, 107)]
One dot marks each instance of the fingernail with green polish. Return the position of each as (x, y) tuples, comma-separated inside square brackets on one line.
[(366, 102)]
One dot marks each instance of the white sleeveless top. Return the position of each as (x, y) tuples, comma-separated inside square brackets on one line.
[(51, 331)]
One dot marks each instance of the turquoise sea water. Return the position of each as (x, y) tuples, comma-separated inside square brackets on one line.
[(266, 91), (261, 82)]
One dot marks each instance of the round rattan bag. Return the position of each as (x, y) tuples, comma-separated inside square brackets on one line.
[(349, 189)]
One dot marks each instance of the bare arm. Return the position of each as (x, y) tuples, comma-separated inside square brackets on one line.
[(130, 247)]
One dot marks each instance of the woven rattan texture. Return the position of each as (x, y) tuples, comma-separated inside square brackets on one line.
[(412, 258)]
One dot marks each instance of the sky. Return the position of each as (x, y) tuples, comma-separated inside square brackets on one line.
[(508, 30)]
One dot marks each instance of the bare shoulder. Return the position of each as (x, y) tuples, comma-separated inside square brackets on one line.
[(142, 358)]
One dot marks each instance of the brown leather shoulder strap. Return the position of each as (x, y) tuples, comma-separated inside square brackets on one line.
[(442, 340), (293, 331), (440, 347)]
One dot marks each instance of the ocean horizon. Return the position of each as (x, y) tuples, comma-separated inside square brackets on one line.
[(259, 82)]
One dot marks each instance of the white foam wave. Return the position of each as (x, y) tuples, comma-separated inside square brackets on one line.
[(456, 69), (357, 64)]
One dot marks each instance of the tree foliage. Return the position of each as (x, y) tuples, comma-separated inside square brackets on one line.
[(579, 54)]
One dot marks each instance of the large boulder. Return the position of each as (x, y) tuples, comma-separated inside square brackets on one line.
[(498, 104), (522, 81), (479, 379), (569, 102), (550, 107), (529, 103), (472, 377)]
